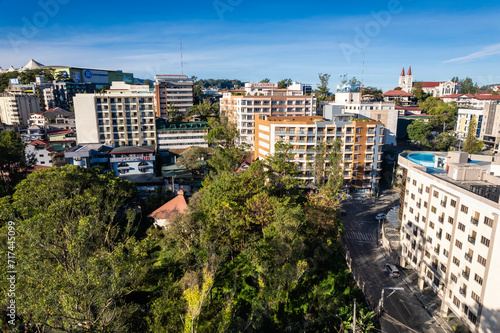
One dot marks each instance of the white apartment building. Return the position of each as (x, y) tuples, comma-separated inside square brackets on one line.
[(173, 89), (351, 103), (123, 116), (180, 135), (449, 212), (15, 110), (244, 105), (361, 146), (464, 118)]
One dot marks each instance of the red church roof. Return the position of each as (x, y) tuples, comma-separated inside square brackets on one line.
[(487, 97), (430, 84), (396, 93), (403, 72), (175, 206), (409, 71)]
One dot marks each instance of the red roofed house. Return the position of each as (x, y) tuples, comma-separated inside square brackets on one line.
[(164, 214), (436, 89), (460, 99), (400, 97)]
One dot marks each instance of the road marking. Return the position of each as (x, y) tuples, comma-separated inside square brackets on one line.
[(360, 236)]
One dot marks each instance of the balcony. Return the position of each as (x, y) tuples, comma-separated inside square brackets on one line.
[(434, 266), (436, 250), (474, 221), (443, 204), (439, 234), (420, 191), (465, 275), (441, 219), (468, 257), (368, 168), (471, 240), (462, 291), (419, 205)]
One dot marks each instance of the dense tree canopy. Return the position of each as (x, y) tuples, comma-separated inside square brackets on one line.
[(13, 162), (419, 131), (472, 144)]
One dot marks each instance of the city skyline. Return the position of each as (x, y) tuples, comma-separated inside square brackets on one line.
[(251, 41)]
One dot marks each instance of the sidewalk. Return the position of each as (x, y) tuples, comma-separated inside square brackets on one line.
[(427, 298)]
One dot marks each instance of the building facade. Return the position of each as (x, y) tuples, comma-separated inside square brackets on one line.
[(89, 156), (15, 110), (449, 212), (175, 90), (242, 107), (436, 89), (180, 135), (361, 146), (123, 116), (464, 118)]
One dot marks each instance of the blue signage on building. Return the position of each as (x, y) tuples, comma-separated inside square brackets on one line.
[(88, 74)]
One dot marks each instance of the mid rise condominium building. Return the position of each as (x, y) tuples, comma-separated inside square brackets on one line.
[(123, 116), (15, 109), (360, 146), (173, 91), (243, 106), (180, 135), (449, 212)]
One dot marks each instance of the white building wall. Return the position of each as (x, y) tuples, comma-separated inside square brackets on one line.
[(86, 118)]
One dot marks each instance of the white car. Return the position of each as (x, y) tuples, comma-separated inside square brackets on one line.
[(380, 216)]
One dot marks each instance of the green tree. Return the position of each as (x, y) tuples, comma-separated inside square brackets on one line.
[(221, 132), (79, 266), (174, 114), (266, 80), (443, 141), (228, 159), (443, 116), (195, 159), (283, 84), (376, 92), (204, 110), (428, 104), (419, 130), (322, 91), (13, 162), (471, 144), (468, 86)]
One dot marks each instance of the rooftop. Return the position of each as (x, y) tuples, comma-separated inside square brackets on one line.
[(164, 125), (133, 149), (175, 206)]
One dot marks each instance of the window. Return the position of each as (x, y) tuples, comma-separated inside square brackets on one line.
[(427, 254), (488, 221), (485, 241), (464, 209), (481, 260), (425, 204), (411, 210), (450, 220), (456, 261), (427, 189), (453, 203), (453, 277), (445, 253), (143, 167), (436, 194), (42, 162), (123, 168), (461, 226), (414, 182), (472, 317), (478, 279), (443, 268), (429, 240), (433, 209), (431, 224), (413, 196), (448, 237), (456, 301), (475, 297)]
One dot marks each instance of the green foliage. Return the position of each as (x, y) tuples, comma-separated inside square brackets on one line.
[(204, 110), (443, 141), (221, 132), (376, 92), (77, 260), (322, 91), (13, 163), (227, 159), (428, 104), (219, 83), (283, 84), (443, 117), (419, 131), (174, 114), (471, 144), (194, 159), (468, 86), (266, 80)]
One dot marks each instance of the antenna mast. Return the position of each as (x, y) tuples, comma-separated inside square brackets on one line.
[(363, 73)]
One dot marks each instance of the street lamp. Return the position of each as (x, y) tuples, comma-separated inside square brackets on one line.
[(382, 295)]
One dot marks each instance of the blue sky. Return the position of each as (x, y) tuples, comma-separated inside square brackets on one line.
[(251, 40)]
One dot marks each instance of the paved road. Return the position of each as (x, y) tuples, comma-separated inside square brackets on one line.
[(403, 311)]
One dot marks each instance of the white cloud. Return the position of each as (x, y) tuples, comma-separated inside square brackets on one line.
[(485, 52)]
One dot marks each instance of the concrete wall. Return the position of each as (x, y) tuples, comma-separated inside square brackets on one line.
[(86, 118)]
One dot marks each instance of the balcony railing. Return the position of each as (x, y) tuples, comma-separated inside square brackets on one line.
[(436, 250), (474, 221), (462, 291), (468, 257), (439, 235), (443, 204), (420, 191), (419, 205), (441, 219), (434, 265), (465, 275), (472, 240)]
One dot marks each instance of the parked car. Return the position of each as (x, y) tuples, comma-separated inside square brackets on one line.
[(380, 216), (393, 270)]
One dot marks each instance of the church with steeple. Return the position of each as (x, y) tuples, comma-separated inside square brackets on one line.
[(406, 81), (436, 89)]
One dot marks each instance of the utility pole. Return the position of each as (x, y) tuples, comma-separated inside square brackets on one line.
[(354, 318)]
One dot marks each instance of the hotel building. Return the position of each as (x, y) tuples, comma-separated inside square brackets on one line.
[(243, 106), (360, 146), (123, 116), (173, 89), (180, 135), (449, 212)]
